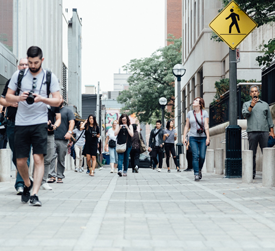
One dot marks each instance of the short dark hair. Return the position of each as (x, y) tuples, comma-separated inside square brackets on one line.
[(158, 121), (35, 51)]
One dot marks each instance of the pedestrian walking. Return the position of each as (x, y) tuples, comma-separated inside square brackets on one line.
[(135, 151), (78, 147), (259, 123), (156, 145), (30, 88), (91, 135), (110, 146), (53, 115), (10, 116), (62, 135), (169, 137), (124, 132), (3, 133), (197, 119)]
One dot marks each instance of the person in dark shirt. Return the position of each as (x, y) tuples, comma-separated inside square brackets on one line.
[(53, 115), (10, 114)]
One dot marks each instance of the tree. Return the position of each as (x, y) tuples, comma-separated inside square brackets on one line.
[(151, 79), (263, 12)]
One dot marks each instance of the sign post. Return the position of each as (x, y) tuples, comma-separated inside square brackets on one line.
[(233, 25)]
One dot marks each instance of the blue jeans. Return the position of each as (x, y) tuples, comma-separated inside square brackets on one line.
[(124, 158), (113, 155), (198, 148), (10, 135)]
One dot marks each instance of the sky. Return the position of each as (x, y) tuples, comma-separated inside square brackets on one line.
[(114, 32)]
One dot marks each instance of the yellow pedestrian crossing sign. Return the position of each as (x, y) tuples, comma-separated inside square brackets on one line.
[(232, 25)]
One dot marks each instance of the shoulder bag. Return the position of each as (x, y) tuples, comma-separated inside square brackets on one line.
[(142, 147), (72, 147), (121, 148)]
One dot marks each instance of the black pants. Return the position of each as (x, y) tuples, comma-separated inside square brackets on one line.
[(157, 151), (189, 159), (134, 157), (169, 147), (255, 139)]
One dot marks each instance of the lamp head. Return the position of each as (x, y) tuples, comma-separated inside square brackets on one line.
[(162, 101), (178, 70)]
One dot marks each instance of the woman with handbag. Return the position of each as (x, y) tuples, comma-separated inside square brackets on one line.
[(78, 147), (91, 135), (197, 120), (110, 146), (135, 151), (169, 137), (124, 132)]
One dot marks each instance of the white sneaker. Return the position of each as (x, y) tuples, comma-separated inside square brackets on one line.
[(46, 186), (159, 170), (115, 170), (112, 170), (76, 170)]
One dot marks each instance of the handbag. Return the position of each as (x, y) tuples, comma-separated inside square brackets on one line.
[(121, 148), (72, 147), (142, 147), (112, 143)]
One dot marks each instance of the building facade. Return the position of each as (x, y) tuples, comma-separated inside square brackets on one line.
[(75, 61), (120, 81), (207, 61), (37, 22), (173, 18)]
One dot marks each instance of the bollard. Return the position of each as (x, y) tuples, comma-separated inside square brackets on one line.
[(247, 166), (210, 161), (182, 161), (219, 161), (5, 164), (268, 167)]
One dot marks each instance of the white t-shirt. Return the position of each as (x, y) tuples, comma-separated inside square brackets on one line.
[(194, 125), (36, 113), (111, 134), (81, 141)]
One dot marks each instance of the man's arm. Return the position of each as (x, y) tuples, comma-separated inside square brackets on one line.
[(12, 98), (4, 102), (246, 111), (57, 120), (71, 127), (150, 139), (54, 101)]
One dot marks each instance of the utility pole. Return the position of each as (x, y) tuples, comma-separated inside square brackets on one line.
[(97, 103)]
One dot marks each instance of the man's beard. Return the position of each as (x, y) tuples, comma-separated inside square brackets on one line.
[(34, 70)]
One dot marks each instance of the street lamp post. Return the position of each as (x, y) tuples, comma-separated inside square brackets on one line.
[(178, 72), (162, 102)]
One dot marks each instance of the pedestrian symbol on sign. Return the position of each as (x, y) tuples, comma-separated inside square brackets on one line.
[(234, 17)]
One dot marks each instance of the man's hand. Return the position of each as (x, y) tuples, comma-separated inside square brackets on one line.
[(14, 105), (254, 101), (272, 135), (38, 98), (23, 96), (149, 149), (207, 142), (68, 136)]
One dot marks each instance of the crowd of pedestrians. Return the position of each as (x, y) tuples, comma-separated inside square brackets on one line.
[(35, 113)]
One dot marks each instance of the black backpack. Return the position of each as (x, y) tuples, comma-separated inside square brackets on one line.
[(21, 75)]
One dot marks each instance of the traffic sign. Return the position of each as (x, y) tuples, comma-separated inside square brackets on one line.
[(233, 25)]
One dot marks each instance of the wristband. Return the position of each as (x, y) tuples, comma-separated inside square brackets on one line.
[(251, 106)]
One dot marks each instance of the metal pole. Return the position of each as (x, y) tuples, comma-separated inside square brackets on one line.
[(232, 87), (162, 115), (97, 104), (179, 144)]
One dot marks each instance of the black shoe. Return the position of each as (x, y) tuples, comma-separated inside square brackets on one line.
[(254, 176), (178, 170), (34, 201), (26, 193), (188, 170), (200, 175), (119, 173), (197, 178), (169, 171)]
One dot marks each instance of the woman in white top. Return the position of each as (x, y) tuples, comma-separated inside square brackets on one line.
[(80, 135), (110, 145)]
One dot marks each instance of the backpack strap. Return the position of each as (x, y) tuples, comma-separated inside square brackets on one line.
[(19, 80), (48, 81)]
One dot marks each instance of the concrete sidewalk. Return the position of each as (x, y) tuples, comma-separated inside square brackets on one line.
[(144, 211)]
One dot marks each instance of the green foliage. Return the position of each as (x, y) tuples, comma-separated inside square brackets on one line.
[(263, 12), (151, 79), (269, 53), (222, 87)]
